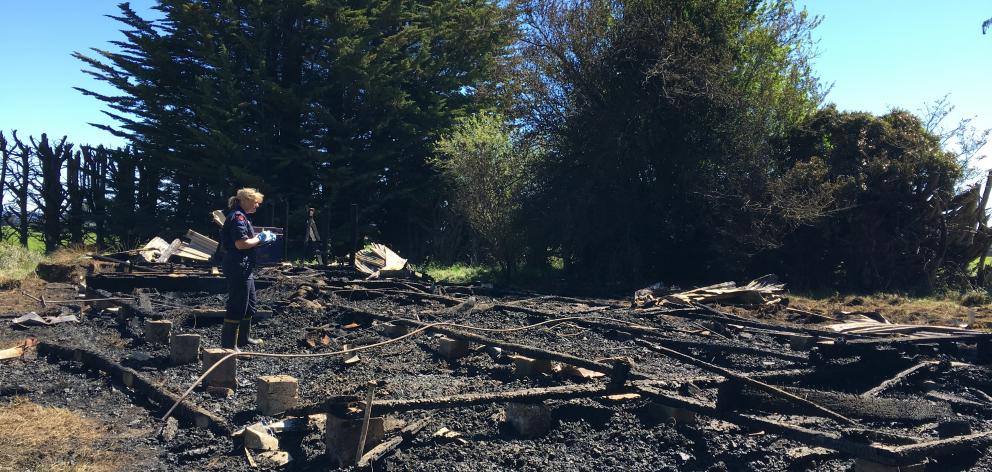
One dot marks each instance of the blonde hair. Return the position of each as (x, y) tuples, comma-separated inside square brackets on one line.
[(246, 193)]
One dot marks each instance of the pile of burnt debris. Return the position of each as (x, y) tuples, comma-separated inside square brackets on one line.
[(402, 373)]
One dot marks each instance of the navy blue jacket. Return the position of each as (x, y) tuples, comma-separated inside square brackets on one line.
[(237, 226)]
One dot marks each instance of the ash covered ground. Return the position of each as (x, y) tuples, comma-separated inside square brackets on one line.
[(319, 311)]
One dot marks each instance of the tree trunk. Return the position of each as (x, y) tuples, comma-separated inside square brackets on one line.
[(75, 220), (22, 192), (5, 155), (122, 210), (50, 161)]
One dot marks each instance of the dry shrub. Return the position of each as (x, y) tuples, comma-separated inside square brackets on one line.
[(40, 438)]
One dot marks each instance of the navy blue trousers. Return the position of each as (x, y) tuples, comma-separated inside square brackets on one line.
[(241, 299)]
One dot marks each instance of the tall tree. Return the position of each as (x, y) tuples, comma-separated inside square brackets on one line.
[(307, 100), (661, 119)]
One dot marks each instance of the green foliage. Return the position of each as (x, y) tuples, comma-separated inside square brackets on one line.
[(310, 101), (488, 174), (660, 118), (459, 273), (888, 184), (36, 242)]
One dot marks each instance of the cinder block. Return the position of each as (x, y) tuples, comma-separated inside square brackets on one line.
[(184, 348), (529, 420), (452, 348), (225, 375), (394, 330), (667, 413), (341, 436), (864, 465), (277, 393), (157, 331), (259, 439), (527, 367)]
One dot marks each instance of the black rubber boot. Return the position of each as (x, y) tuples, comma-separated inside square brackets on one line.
[(244, 335), (229, 335)]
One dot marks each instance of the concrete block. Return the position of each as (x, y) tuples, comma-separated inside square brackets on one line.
[(394, 330), (277, 393), (184, 348), (225, 375), (452, 348), (665, 413), (257, 438), (864, 465), (527, 367), (529, 420), (157, 331), (341, 436)]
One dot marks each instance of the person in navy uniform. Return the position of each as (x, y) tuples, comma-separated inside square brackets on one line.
[(240, 240)]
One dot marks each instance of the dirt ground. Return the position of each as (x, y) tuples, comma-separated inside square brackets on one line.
[(593, 433)]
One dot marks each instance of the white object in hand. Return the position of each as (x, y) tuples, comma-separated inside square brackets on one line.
[(266, 236)]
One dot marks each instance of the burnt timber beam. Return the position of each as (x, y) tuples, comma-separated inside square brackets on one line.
[(700, 314), (187, 412), (170, 282), (856, 347), (655, 333), (617, 371), (808, 436), (916, 452), (770, 389), (565, 392), (733, 396), (899, 378)]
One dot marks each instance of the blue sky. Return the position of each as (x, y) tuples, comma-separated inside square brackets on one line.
[(877, 54), (36, 44), (881, 54)]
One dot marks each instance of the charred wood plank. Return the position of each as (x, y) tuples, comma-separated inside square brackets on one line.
[(654, 332), (830, 440), (857, 347), (942, 447), (724, 347), (699, 314), (746, 380), (531, 351), (899, 378), (187, 412), (383, 449), (566, 392), (873, 408)]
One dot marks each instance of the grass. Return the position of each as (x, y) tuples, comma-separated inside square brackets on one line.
[(36, 242), (952, 308), (17, 263), (40, 438), (459, 273)]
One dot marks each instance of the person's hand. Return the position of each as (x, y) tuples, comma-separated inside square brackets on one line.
[(266, 237)]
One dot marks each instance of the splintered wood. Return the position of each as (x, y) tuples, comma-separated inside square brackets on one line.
[(378, 258), (762, 291)]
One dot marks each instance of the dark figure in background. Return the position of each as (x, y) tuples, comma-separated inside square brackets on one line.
[(239, 241)]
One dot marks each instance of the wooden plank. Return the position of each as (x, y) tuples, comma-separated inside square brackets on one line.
[(565, 392), (898, 378), (185, 411), (941, 447), (830, 440), (770, 389)]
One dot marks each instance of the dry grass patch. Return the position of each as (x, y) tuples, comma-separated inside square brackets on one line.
[(902, 309), (40, 438)]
